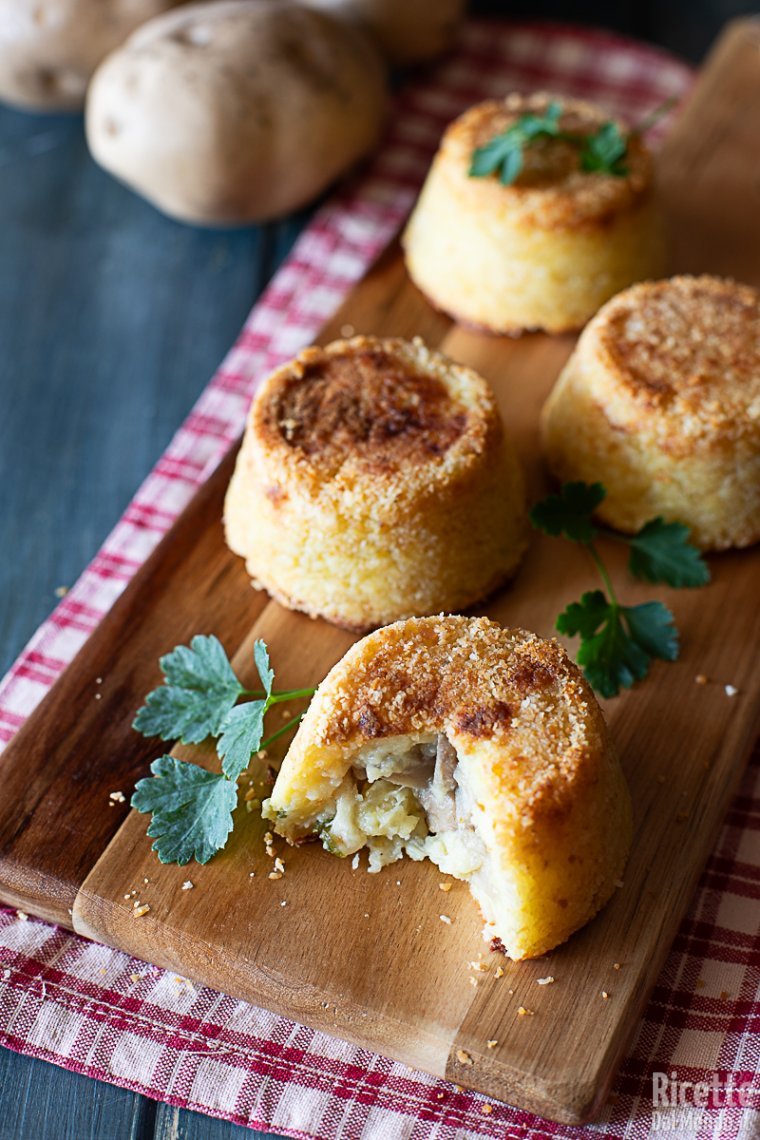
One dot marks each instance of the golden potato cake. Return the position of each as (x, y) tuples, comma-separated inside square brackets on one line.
[(660, 402), (375, 482), (544, 252), (480, 748)]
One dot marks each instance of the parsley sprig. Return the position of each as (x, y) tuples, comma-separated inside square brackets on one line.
[(192, 808), (619, 642), (603, 152)]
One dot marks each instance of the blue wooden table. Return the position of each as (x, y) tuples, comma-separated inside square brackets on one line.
[(112, 320)]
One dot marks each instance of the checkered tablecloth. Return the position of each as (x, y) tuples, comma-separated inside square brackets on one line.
[(98, 1011)]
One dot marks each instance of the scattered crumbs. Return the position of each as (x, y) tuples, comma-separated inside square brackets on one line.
[(102, 970), (499, 972), (491, 1044), (71, 912), (146, 880), (446, 887), (285, 714), (487, 1109), (98, 696), (731, 690), (474, 982), (605, 996), (118, 798), (22, 916), (523, 1012), (141, 910), (700, 679), (615, 965), (188, 885), (347, 330), (700, 984), (283, 902), (98, 680), (445, 918), (366, 915), (136, 903), (479, 966), (279, 865), (135, 977), (619, 883), (61, 591), (133, 893), (355, 862), (438, 1096), (724, 995), (547, 981), (127, 897), (251, 874), (250, 795), (275, 875), (464, 1057), (458, 1088), (6, 973)]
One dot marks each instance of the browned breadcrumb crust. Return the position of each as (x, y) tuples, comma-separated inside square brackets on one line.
[(476, 681), (686, 347), (366, 401), (367, 408), (552, 191)]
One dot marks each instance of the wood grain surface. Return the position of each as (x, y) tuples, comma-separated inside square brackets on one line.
[(368, 958)]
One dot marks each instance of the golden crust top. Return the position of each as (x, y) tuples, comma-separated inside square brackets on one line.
[(375, 411), (551, 190), (367, 401), (687, 348), (507, 694)]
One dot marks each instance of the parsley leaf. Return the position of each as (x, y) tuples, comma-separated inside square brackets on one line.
[(241, 736), (504, 152), (266, 672), (661, 552), (569, 513), (243, 727), (191, 808), (652, 627), (604, 151), (619, 642), (198, 692)]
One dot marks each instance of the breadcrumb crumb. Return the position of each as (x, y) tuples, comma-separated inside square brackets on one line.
[(731, 690), (187, 885), (445, 887), (492, 1043), (445, 918), (547, 981), (523, 1012), (464, 1057), (141, 910)]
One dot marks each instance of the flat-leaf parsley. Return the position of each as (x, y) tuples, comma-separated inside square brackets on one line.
[(618, 642), (192, 808)]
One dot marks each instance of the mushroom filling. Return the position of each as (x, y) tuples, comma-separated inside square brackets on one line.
[(404, 797)]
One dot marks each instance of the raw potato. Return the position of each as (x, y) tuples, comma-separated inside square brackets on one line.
[(236, 111), (50, 48), (408, 31)]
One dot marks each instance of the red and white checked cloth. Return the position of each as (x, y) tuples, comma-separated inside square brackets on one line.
[(99, 1012)]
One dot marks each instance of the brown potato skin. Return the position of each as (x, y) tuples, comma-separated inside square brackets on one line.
[(236, 111), (50, 48)]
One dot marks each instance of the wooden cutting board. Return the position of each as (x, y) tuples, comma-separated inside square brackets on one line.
[(368, 957)]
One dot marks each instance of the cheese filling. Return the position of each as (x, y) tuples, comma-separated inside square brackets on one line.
[(405, 798)]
